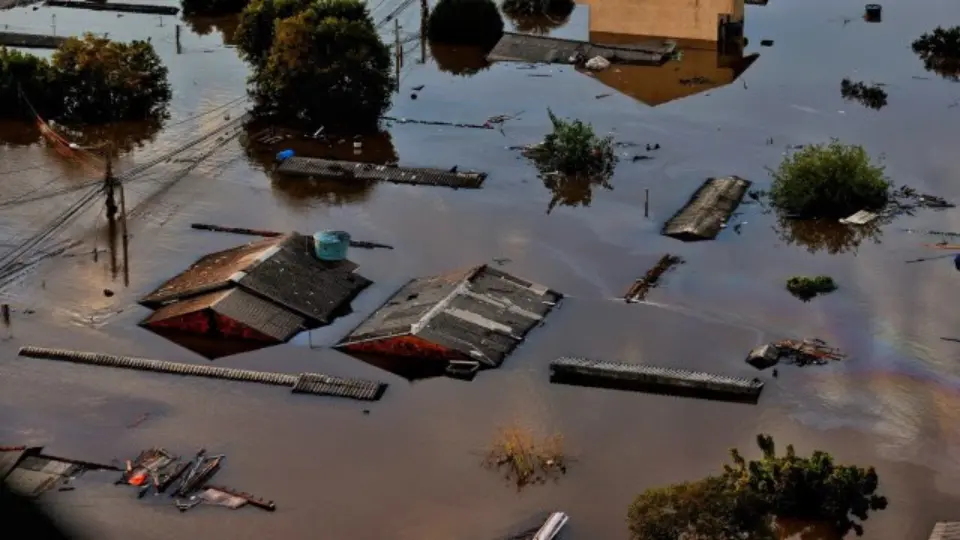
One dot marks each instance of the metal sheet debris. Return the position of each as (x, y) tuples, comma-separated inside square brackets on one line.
[(860, 218)]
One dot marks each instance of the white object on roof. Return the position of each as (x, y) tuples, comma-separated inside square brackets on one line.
[(597, 63), (860, 218)]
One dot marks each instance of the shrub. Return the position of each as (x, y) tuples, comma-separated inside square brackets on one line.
[(873, 96), (806, 288), (747, 497), (940, 51), (829, 181), (465, 22), (574, 149), (525, 459), (532, 8), (327, 67)]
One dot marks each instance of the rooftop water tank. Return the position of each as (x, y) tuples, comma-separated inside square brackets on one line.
[(331, 245), (284, 155)]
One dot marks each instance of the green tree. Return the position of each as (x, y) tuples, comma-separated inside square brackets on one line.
[(465, 22), (327, 67), (747, 497), (212, 8), (574, 148), (33, 75), (829, 181), (940, 51), (104, 81), (254, 36)]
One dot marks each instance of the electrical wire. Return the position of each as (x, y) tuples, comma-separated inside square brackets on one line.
[(201, 115)]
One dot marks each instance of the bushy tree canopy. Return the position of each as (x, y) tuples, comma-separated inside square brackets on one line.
[(747, 497), (465, 22), (328, 67), (259, 20), (829, 181), (940, 51), (89, 80)]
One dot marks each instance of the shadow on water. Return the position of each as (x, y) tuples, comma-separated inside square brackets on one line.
[(572, 190), (226, 26), (122, 137), (826, 236), (411, 369), (210, 348), (459, 60), (261, 146)]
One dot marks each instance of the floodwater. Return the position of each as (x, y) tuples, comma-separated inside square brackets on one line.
[(411, 468)]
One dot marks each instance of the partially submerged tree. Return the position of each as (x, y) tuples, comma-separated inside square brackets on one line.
[(327, 67), (465, 22), (829, 181), (748, 497), (805, 288), (873, 96), (572, 148), (212, 8), (89, 80), (940, 51), (524, 459), (254, 35), (103, 80)]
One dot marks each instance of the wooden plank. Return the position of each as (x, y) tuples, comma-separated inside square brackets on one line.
[(364, 172)]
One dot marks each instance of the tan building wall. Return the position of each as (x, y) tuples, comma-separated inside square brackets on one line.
[(673, 19)]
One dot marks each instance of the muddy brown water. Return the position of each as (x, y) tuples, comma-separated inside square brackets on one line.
[(411, 468)]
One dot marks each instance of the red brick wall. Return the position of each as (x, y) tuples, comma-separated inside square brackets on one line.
[(406, 347), (230, 328), (197, 322)]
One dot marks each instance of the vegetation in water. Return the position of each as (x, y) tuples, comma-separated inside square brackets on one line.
[(873, 96), (826, 235), (88, 80), (748, 499), (465, 22), (212, 8), (829, 181), (805, 288), (572, 148), (316, 64), (525, 459), (940, 51), (529, 8)]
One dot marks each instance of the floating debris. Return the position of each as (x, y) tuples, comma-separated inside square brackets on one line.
[(708, 209), (797, 352), (806, 288), (860, 218), (638, 291), (437, 123), (361, 172)]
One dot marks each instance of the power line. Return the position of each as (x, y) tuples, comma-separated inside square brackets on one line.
[(201, 115)]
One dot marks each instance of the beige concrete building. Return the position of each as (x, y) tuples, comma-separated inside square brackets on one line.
[(692, 20)]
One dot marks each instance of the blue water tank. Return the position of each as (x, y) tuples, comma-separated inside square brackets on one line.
[(284, 155), (331, 245)]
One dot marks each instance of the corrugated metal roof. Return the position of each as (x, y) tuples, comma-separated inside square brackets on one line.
[(707, 210), (294, 278), (482, 313), (946, 530), (35, 475), (210, 272), (183, 307), (261, 315), (9, 459), (527, 48), (353, 171)]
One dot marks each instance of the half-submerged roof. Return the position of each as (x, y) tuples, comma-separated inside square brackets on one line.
[(482, 313), (946, 530), (281, 270)]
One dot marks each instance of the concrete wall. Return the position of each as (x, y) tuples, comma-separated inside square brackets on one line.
[(675, 19)]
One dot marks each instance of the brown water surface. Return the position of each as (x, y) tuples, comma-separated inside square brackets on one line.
[(411, 468)]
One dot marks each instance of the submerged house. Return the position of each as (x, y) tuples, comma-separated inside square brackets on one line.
[(699, 22), (265, 291), (476, 315), (28, 472)]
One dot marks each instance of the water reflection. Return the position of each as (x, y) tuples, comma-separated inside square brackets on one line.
[(826, 235), (411, 369), (262, 144), (572, 190), (872, 97), (16, 133), (539, 24), (940, 52), (227, 26), (801, 530), (459, 60), (697, 70), (210, 348)]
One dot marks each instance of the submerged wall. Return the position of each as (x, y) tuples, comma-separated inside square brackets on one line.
[(673, 19)]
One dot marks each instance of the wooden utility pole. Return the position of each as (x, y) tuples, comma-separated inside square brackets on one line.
[(646, 202), (398, 54), (424, 18), (123, 231), (177, 32)]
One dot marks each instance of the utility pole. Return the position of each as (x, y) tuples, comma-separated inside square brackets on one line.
[(179, 49), (398, 54), (123, 231), (424, 18)]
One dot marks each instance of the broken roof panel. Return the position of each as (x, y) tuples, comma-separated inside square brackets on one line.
[(293, 277), (9, 457), (210, 273), (482, 313), (946, 530), (36, 474)]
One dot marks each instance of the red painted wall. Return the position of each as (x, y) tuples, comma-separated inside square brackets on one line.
[(406, 347), (230, 328), (197, 322)]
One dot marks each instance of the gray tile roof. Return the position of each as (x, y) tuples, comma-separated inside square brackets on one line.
[(946, 530)]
